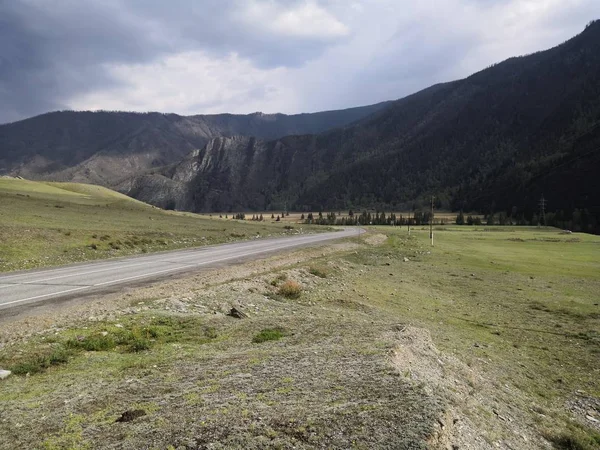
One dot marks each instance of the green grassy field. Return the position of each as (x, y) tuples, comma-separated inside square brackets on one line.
[(520, 305), (46, 224), (346, 362)]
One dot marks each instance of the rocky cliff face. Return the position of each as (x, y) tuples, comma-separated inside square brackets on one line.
[(232, 174)]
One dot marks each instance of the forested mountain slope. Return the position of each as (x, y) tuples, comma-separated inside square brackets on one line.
[(496, 140)]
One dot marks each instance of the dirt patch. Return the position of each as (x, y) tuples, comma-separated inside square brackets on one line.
[(586, 409), (464, 390), (375, 239)]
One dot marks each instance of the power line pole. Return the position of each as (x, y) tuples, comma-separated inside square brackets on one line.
[(431, 222), (542, 205)]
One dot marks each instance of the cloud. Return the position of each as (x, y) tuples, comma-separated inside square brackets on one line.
[(189, 82), (306, 20), (192, 56)]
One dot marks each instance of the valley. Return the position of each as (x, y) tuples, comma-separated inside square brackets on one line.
[(269, 281)]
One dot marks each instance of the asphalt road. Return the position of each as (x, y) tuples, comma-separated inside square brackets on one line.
[(65, 282)]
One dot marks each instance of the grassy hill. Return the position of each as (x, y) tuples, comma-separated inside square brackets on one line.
[(46, 224)]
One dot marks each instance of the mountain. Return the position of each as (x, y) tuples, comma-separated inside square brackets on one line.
[(108, 147), (495, 141)]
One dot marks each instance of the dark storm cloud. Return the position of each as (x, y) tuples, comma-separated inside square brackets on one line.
[(198, 56), (52, 51)]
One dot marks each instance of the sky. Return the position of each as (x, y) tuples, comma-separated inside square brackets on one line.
[(242, 56)]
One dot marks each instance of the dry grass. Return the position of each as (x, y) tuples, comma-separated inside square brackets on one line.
[(290, 289)]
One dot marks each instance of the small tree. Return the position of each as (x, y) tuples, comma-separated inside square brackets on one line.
[(502, 219), (272, 216), (302, 216), (278, 219), (460, 219)]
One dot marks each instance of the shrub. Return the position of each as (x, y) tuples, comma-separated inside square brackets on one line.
[(93, 343), (39, 362), (138, 339), (268, 334), (60, 355), (138, 344), (32, 365), (290, 289)]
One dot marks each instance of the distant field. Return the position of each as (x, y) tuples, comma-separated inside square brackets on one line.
[(46, 224), (296, 217)]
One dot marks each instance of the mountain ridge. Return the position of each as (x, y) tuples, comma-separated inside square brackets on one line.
[(107, 147), (494, 141)]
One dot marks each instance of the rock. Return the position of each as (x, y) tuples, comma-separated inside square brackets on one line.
[(130, 415), (4, 374), (405, 259), (237, 314)]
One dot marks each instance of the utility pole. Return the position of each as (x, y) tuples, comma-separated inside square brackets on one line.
[(431, 222), (542, 205)]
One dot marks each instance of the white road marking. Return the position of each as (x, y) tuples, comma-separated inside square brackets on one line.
[(45, 295), (205, 252), (277, 246)]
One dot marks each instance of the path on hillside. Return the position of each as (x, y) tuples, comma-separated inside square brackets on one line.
[(66, 282)]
